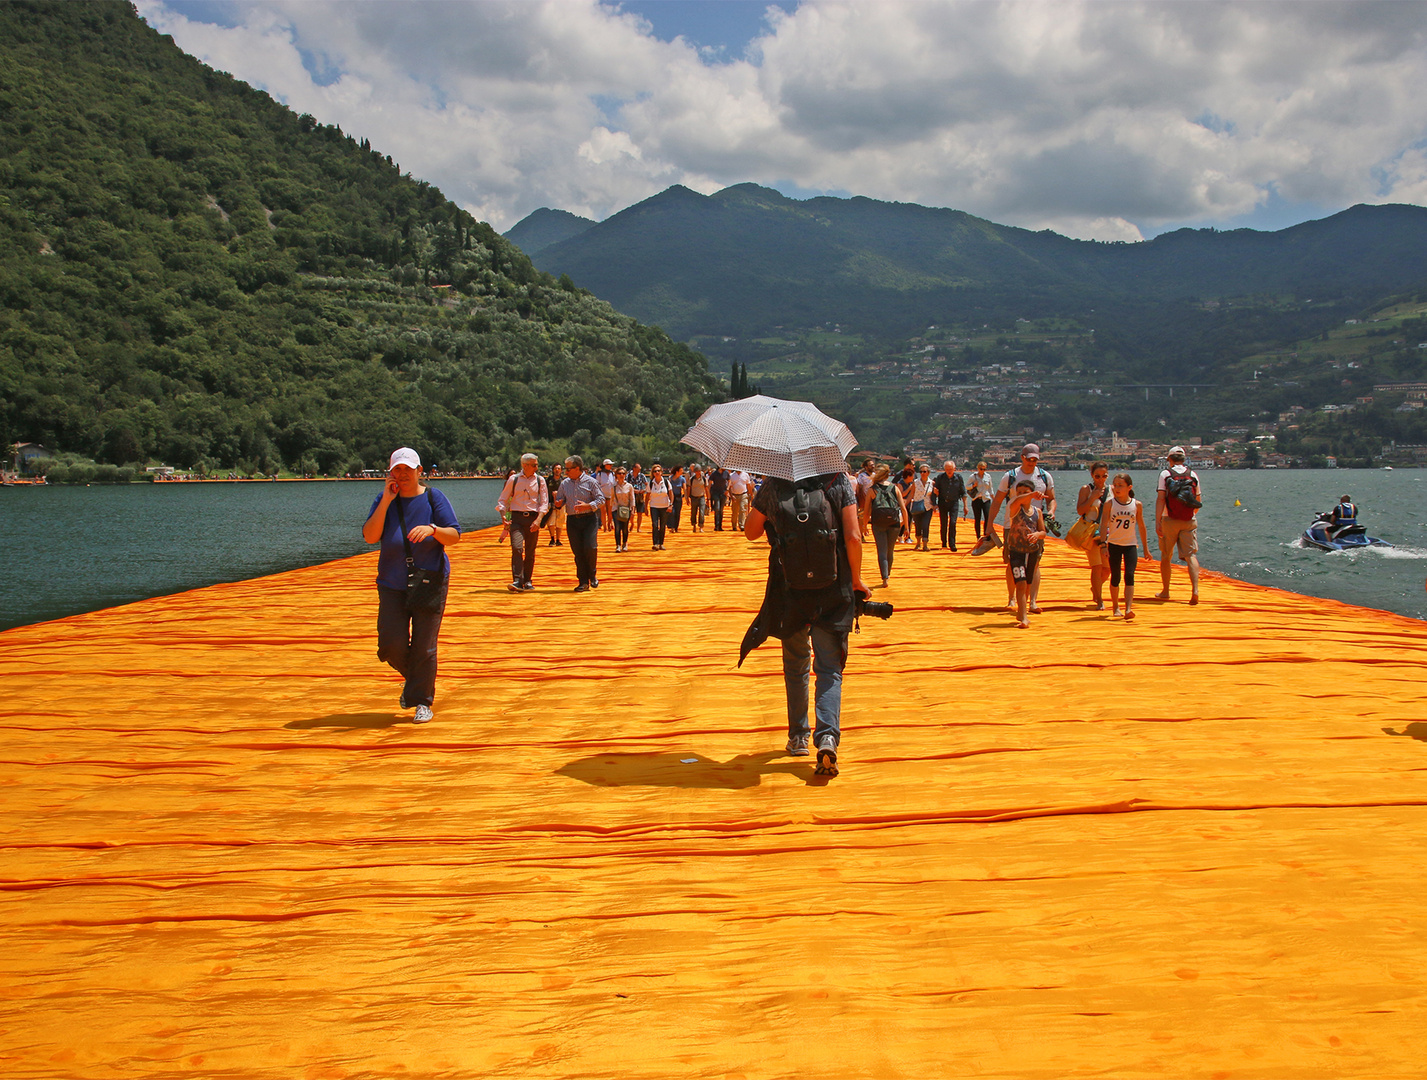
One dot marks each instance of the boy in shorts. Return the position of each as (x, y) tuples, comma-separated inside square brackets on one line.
[(1025, 541)]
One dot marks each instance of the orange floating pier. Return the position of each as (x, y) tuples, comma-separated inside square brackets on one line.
[(1187, 846)]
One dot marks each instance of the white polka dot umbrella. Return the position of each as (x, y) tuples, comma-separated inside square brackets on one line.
[(792, 440)]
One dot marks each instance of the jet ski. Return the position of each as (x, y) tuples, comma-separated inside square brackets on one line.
[(1324, 537)]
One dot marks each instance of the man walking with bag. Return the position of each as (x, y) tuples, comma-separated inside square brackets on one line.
[(525, 497)]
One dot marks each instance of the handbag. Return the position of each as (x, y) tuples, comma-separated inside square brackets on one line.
[(622, 512), (919, 506), (425, 589), (1082, 533)]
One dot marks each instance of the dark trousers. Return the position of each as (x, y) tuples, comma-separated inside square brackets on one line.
[(675, 512), (621, 531), (524, 532), (658, 518), (979, 509), (716, 509), (948, 527), (407, 641), (584, 533)]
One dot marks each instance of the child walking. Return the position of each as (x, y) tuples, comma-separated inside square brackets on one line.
[(1119, 518), (1025, 541)]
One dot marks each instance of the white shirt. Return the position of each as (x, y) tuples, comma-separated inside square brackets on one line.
[(738, 482), (659, 494), (1122, 522), (523, 494)]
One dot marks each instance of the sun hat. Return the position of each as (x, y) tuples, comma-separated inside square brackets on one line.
[(405, 456), (1031, 450)]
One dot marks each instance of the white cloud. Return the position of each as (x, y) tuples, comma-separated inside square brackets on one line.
[(1095, 119)]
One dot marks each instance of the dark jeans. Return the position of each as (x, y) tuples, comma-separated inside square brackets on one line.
[(407, 641), (621, 530), (979, 509), (948, 527), (584, 533), (824, 652), (658, 518), (716, 509), (524, 534), (922, 525), (886, 533), (676, 512)]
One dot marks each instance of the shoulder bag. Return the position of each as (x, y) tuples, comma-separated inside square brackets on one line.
[(424, 588)]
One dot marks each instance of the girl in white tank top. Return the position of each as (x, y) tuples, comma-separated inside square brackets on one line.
[(1120, 518)]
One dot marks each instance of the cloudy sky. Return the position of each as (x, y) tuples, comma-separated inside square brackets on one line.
[(1106, 120)]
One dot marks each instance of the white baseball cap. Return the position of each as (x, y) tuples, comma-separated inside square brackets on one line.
[(404, 456), (1176, 451)]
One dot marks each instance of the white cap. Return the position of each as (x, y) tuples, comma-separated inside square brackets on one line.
[(404, 456), (1173, 450)]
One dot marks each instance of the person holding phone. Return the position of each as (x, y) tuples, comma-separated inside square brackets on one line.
[(410, 521)]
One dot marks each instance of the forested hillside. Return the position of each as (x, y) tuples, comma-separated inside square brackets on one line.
[(191, 272)]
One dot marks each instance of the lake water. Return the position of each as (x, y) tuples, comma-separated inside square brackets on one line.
[(65, 550)]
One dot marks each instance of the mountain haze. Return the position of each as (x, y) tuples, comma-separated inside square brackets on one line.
[(191, 272)]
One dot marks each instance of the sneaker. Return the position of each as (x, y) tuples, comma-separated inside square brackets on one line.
[(424, 715), (827, 756), (514, 586), (798, 745), (529, 586), (581, 588), (595, 583)]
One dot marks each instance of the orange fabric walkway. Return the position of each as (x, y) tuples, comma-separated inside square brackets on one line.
[(1188, 846)]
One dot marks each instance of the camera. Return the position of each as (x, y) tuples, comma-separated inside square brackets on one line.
[(873, 609)]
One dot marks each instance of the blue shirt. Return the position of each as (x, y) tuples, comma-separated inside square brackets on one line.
[(586, 489), (429, 554)]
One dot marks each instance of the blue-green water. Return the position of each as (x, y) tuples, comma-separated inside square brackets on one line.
[(65, 550)]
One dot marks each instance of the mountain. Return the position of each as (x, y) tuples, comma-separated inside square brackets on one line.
[(538, 230), (191, 272), (747, 260)]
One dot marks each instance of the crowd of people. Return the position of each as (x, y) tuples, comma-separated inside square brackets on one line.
[(571, 506)]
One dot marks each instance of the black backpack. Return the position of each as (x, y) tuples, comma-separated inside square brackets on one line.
[(1182, 488), (806, 536)]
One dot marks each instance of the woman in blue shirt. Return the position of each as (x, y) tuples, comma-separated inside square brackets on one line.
[(407, 639)]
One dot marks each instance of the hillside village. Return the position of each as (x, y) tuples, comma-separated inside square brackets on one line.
[(980, 394)]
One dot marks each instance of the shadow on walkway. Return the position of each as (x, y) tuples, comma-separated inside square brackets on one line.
[(350, 721), (686, 770)]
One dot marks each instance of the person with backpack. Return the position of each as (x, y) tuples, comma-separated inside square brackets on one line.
[(698, 491), (525, 497), (1175, 525), (414, 524), (814, 584), (1040, 480), (718, 493), (658, 497), (888, 516)]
